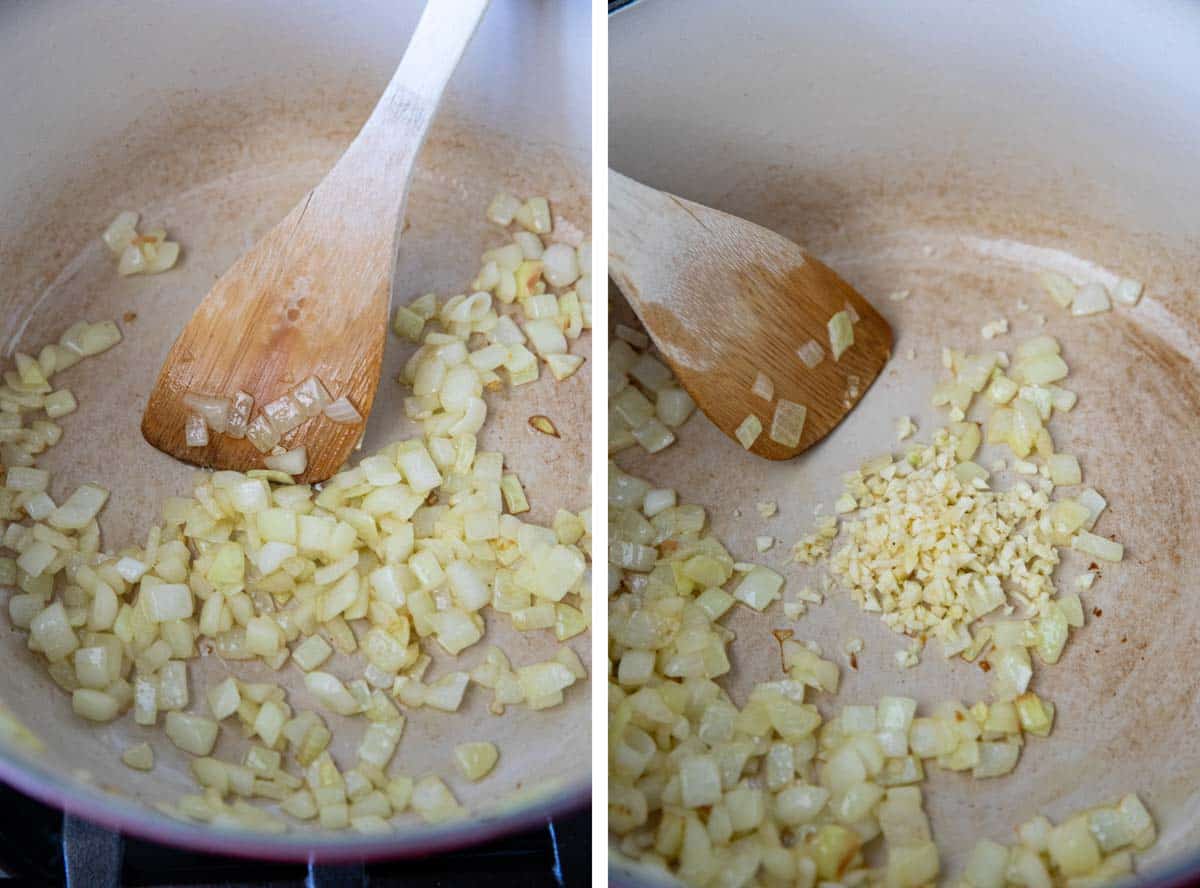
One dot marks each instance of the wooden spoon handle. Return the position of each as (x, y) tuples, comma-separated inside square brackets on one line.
[(633, 235), (375, 169)]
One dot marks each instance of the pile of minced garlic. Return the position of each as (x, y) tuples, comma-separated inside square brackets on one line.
[(771, 792), (933, 548), (401, 552)]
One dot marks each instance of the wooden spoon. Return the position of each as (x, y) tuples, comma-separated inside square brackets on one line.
[(725, 299), (311, 297)]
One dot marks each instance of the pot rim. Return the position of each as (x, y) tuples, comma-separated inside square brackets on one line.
[(298, 846)]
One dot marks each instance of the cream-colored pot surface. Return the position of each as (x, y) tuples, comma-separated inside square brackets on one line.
[(213, 119), (951, 149)]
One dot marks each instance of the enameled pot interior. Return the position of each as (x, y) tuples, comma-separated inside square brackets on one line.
[(217, 166), (953, 157)]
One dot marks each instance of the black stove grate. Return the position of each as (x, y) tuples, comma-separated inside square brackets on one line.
[(39, 846)]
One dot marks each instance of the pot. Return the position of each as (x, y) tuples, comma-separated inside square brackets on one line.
[(214, 119), (952, 150)]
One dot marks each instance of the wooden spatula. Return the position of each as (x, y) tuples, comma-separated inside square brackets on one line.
[(311, 298), (725, 300)]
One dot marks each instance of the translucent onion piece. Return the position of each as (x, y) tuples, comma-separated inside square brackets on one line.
[(1097, 546), (140, 757), (546, 336), (1127, 291), (214, 410), (196, 430), (502, 208), (261, 434), (161, 257), (563, 366), (841, 334), (343, 411), (1064, 469), (748, 431), (293, 462), (80, 508), (192, 733), (534, 215), (311, 396), (560, 265), (811, 353), (1094, 503), (531, 245), (653, 435), (674, 406), (763, 387), (636, 338), (1090, 299), (95, 338), (787, 423), (476, 760), (239, 415), (59, 403), (1059, 287), (284, 414), (120, 232), (132, 261)]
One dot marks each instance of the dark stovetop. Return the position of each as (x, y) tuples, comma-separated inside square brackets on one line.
[(38, 846)]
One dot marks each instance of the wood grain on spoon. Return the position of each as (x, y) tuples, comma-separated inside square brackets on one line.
[(312, 297), (725, 299)]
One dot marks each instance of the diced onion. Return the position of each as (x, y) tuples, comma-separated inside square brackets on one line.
[(560, 265), (748, 431), (1059, 287), (763, 387), (60, 403), (239, 415), (260, 433), (653, 435), (343, 411), (409, 547), (534, 215), (284, 414), (841, 334), (1097, 546), (678, 790), (787, 423), (140, 757), (1127, 291), (120, 232), (476, 760), (759, 588), (562, 366), (192, 733), (1090, 299), (433, 801), (811, 353), (195, 430), (1064, 469), (95, 705), (674, 406), (80, 508), (332, 693), (502, 208), (292, 462), (214, 410)]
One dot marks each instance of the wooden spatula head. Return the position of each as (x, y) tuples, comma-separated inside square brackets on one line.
[(311, 298), (725, 299), (299, 304)]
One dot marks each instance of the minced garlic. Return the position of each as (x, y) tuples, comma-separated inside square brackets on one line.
[(816, 545)]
